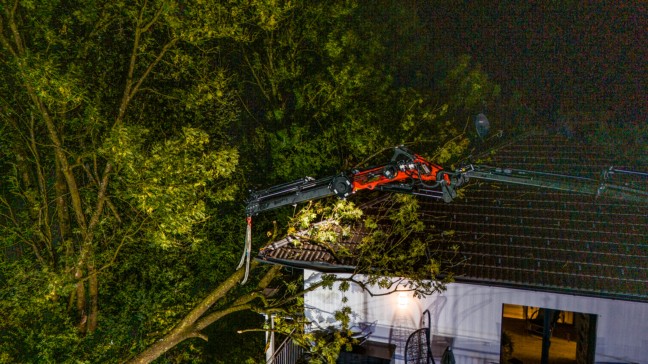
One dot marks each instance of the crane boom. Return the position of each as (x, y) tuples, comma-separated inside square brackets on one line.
[(410, 173), (561, 182), (405, 173)]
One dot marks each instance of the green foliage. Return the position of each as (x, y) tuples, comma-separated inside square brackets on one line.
[(323, 346), (106, 160), (227, 345), (466, 86), (391, 251), (129, 131), (331, 99), (169, 183), (35, 325)]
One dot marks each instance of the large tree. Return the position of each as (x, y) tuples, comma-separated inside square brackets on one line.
[(122, 127), (114, 139)]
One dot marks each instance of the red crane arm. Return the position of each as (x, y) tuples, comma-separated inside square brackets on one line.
[(405, 173), (415, 168)]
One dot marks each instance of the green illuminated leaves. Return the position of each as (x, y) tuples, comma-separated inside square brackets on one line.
[(170, 181), (387, 245), (153, 102)]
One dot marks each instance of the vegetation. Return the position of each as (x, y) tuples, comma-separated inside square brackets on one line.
[(131, 130)]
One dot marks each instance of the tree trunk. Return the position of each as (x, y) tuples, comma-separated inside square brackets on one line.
[(93, 288), (62, 213), (81, 301), (162, 346), (185, 328), (191, 325)]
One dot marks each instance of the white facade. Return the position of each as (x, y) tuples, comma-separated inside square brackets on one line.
[(472, 315)]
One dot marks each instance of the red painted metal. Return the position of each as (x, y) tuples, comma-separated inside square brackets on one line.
[(417, 169)]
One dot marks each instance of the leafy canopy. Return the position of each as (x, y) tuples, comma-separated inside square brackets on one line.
[(130, 131)]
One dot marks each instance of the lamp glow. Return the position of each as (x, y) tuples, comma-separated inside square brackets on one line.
[(403, 300)]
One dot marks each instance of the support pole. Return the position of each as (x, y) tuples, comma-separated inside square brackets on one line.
[(270, 340), (546, 335)]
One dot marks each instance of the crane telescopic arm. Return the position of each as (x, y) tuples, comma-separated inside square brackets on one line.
[(561, 182), (405, 173), (410, 173)]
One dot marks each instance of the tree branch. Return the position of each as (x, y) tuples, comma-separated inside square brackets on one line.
[(217, 315), (5, 42), (256, 76), (14, 30), (155, 18), (200, 335), (43, 222), (148, 70), (131, 70), (129, 89), (101, 197), (52, 131), (187, 327)]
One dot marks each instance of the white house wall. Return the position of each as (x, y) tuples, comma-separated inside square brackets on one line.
[(472, 315)]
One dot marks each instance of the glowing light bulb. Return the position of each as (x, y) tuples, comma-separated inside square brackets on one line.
[(403, 300)]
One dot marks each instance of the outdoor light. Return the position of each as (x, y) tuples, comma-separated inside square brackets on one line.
[(482, 125), (403, 300)]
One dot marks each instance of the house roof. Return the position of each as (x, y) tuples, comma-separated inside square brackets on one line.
[(526, 237)]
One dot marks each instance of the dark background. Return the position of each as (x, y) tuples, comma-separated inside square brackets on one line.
[(563, 55)]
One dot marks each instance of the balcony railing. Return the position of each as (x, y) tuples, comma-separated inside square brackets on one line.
[(287, 353)]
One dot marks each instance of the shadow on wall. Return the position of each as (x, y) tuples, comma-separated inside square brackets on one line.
[(436, 308), (463, 310)]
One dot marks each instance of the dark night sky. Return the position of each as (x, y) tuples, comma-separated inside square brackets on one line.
[(572, 56)]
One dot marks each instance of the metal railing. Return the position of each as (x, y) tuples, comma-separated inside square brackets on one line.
[(287, 353)]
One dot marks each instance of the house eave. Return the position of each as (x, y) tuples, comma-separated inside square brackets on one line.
[(317, 266), (342, 269)]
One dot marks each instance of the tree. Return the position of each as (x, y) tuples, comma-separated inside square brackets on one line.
[(101, 149), (123, 126)]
